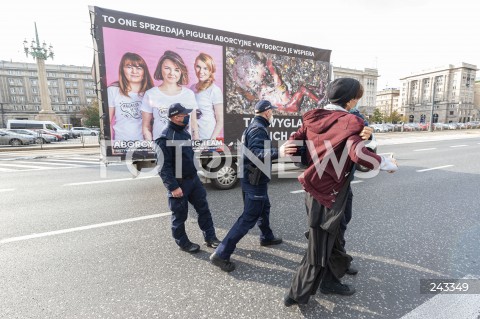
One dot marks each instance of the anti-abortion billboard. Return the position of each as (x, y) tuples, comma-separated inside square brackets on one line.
[(143, 65)]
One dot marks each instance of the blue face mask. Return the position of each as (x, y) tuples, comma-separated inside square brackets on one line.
[(186, 120)]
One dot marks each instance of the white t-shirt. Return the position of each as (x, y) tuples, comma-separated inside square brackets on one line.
[(128, 118), (157, 103), (206, 99)]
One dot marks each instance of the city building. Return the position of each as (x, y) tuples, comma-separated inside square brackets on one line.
[(450, 88), (71, 88), (368, 78), (387, 101), (476, 100)]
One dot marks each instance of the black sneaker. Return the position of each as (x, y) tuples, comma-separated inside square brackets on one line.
[(190, 248), (351, 271), (336, 288), (271, 242), (212, 242), (225, 265), (287, 301)]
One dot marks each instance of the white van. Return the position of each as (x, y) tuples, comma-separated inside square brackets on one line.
[(38, 125)]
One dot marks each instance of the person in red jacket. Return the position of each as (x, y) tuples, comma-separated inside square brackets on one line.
[(332, 136)]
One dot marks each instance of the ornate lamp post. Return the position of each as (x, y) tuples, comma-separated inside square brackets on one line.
[(40, 53)]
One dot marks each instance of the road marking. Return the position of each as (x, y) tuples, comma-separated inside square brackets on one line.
[(85, 159), (298, 192), (425, 149), (385, 260), (447, 306), (395, 262), (75, 229), (463, 145), (48, 163), (7, 190), (109, 181), (433, 168), (356, 182), (69, 161), (7, 170), (23, 166)]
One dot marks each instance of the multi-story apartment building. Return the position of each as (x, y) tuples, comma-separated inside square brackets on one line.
[(368, 78), (449, 88), (476, 100), (387, 101), (71, 88)]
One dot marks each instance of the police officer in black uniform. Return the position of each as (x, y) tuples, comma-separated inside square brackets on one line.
[(254, 187), (180, 177)]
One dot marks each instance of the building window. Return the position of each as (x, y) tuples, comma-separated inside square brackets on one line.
[(36, 99), (68, 84), (12, 90), (33, 82), (68, 91), (34, 90), (11, 81), (75, 84)]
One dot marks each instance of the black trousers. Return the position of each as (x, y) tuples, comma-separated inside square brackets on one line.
[(325, 257)]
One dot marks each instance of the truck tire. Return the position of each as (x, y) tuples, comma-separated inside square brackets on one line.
[(226, 178)]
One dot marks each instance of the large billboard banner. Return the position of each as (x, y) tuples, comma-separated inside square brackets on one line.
[(144, 64)]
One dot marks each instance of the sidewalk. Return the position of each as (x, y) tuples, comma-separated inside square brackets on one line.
[(392, 138), (53, 146)]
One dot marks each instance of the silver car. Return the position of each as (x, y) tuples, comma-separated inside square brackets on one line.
[(14, 139), (39, 137)]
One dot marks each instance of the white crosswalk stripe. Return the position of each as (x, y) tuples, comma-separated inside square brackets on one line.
[(49, 163)]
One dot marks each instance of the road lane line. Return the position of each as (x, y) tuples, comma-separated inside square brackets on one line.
[(23, 166), (75, 229), (298, 192), (69, 161), (109, 181), (385, 260), (433, 168), (7, 190), (425, 149), (8, 170), (48, 163), (356, 182), (463, 145), (447, 306)]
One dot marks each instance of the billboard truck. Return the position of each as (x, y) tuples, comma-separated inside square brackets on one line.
[(142, 65)]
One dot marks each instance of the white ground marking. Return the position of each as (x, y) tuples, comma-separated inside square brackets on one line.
[(425, 149), (463, 145), (433, 168), (75, 229), (7, 190), (109, 181)]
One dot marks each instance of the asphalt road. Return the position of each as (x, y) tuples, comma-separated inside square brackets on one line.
[(85, 242)]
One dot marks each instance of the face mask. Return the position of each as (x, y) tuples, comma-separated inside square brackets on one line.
[(270, 120), (186, 120)]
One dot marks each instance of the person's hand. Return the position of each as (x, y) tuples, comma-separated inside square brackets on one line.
[(366, 132), (177, 193), (287, 149), (394, 161)]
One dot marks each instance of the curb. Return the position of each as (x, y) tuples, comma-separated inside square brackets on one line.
[(45, 147)]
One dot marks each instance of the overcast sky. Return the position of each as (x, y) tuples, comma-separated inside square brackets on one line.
[(396, 37)]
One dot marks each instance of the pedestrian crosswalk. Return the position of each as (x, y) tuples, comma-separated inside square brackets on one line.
[(49, 163)]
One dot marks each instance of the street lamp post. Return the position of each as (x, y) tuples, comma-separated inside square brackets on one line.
[(40, 53), (3, 115), (430, 129)]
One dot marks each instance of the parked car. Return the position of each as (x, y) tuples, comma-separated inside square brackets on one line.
[(58, 136), (14, 139), (83, 131), (39, 137)]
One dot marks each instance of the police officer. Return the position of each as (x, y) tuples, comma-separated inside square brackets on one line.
[(254, 187), (180, 177)]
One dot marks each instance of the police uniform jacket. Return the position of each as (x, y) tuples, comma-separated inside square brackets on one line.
[(254, 138), (174, 132)]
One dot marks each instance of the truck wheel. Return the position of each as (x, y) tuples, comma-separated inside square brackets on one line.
[(226, 178)]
